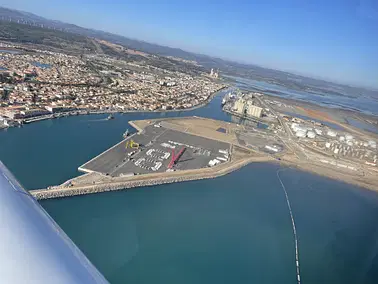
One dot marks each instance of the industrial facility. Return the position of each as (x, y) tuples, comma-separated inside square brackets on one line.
[(246, 107)]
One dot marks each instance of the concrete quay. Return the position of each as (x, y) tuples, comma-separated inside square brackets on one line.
[(166, 178)]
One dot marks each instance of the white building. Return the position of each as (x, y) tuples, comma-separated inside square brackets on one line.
[(254, 111)]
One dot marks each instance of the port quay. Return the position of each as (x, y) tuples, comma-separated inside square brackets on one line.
[(162, 151)]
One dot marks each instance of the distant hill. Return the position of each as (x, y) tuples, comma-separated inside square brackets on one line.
[(31, 19), (227, 67)]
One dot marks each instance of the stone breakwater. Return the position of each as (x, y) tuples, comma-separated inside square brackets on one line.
[(59, 192)]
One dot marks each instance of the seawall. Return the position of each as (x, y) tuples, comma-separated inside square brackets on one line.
[(59, 192)]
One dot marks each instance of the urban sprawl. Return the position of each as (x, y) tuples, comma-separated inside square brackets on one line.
[(40, 83)]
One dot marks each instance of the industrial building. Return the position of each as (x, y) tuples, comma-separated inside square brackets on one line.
[(240, 106), (246, 107), (254, 111)]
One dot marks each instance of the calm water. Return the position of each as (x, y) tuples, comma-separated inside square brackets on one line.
[(235, 228), (330, 124), (359, 102), (362, 125), (41, 65)]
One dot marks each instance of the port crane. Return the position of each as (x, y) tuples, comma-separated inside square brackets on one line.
[(132, 144), (175, 157)]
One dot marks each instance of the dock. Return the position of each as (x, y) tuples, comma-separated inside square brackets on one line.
[(162, 151)]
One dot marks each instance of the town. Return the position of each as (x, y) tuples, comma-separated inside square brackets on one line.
[(37, 84)]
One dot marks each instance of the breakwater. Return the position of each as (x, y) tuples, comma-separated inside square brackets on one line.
[(59, 192)]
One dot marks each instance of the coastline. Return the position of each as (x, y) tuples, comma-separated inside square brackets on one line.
[(333, 174), (90, 112)]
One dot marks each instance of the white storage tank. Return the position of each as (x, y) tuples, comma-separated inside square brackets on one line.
[(294, 126), (311, 134), (331, 133), (328, 145), (318, 131), (301, 133), (341, 138), (372, 144), (349, 137)]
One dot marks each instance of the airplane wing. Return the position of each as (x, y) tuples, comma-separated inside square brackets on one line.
[(33, 248)]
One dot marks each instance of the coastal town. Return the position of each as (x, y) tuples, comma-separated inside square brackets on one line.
[(38, 84)]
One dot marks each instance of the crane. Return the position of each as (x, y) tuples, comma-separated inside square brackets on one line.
[(175, 158)]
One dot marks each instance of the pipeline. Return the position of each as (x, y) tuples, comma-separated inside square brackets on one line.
[(294, 227)]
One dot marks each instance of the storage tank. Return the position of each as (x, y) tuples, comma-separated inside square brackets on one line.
[(331, 133), (318, 131), (372, 144), (341, 138), (311, 134), (300, 133), (349, 137), (328, 145)]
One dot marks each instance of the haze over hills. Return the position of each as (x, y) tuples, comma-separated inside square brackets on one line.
[(227, 67)]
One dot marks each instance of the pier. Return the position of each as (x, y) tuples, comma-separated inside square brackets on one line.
[(163, 151)]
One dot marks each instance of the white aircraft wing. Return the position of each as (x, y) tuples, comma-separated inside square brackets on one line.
[(33, 248)]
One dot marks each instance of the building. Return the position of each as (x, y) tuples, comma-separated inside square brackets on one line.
[(214, 74), (34, 112), (254, 111), (55, 109), (13, 112), (240, 106)]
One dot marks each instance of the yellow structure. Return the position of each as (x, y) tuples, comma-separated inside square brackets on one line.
[(132, 144)]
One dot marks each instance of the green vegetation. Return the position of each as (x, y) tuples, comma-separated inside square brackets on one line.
[(20, 33)]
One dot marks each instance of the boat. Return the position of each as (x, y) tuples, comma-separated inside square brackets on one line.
[(126, 133), (110, 117), (224, 101)]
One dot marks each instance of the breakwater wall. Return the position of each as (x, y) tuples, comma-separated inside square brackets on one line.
[(60, 192)]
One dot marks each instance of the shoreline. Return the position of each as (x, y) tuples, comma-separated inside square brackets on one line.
[(332, 174), (93, 112)]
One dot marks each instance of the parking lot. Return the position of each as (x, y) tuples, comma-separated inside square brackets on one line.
[(152, 151)]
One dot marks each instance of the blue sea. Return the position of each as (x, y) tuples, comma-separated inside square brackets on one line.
[(232, 229)]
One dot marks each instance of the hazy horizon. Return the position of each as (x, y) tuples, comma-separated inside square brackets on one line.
[(355, 63)]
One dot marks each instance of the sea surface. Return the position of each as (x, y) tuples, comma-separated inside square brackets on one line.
[(232, 229), (41, 65)]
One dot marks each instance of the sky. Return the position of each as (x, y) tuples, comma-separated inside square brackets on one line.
[(336, 40)]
